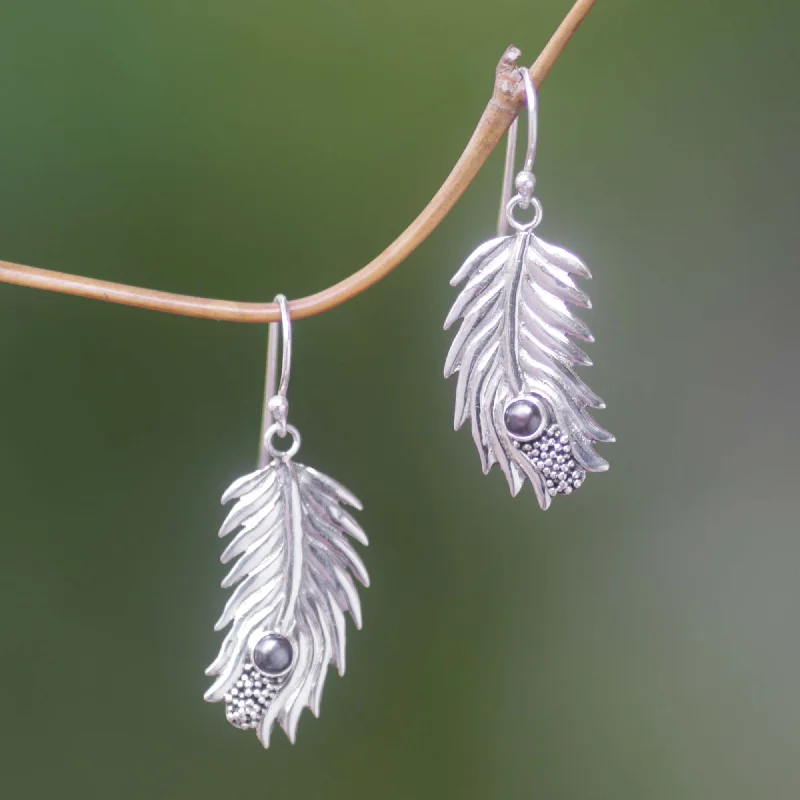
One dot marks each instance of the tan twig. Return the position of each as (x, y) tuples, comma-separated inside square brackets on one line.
[(504, 106)]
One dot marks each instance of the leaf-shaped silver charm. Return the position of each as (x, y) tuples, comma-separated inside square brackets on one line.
[(516, 363), (294, 570)]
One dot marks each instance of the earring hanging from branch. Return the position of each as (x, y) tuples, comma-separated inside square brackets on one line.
[(514, 351), (294, 573)]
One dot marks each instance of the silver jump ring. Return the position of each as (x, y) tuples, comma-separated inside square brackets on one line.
[(524, 227), (291, 451)]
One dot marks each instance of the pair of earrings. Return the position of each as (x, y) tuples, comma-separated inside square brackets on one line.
[(296, 567)]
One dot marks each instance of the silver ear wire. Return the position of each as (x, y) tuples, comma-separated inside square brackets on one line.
[(276, 403), (525, 181), (503, 228), (532, 100), (286, 330)]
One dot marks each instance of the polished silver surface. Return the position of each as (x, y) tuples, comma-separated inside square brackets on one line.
[(514, 347), (532, 102), (294, 582), (503, 228), (294, 577), (276, 405)]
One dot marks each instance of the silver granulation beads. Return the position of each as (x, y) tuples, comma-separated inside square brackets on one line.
[(247, 701), (552, 456)]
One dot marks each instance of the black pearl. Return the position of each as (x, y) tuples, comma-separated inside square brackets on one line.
[(273, 654), (524, 418)]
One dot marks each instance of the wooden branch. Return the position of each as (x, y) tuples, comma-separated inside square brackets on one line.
[(507, 99)]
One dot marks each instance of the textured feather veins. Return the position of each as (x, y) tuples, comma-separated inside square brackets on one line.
[(516, 337), (294, 575)]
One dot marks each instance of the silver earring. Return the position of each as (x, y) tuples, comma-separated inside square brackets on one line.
[(514, 355), (294, 572)]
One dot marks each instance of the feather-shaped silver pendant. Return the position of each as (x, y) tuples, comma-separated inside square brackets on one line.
[(293, 572), (515, 362)]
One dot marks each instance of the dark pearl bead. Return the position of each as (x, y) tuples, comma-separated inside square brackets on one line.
[(523, 418), (273, 654)]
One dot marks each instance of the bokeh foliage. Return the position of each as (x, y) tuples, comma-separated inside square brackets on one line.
[(638, 641)]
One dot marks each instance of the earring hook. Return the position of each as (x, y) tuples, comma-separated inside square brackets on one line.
[(525, 181), (286, 349), (503, 228), (532, 100), (276, 404)]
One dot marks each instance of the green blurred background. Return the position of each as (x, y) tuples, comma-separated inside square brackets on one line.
[(638, 642)]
